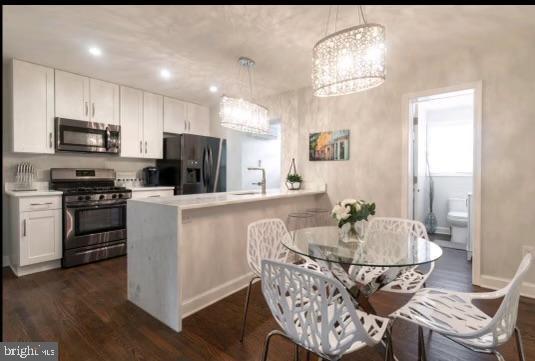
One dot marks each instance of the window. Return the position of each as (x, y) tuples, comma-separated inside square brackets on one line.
[(450, 137)]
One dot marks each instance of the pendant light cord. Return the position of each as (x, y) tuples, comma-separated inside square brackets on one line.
[(361, 10)]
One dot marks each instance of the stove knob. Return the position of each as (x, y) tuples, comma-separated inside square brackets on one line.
[(80, 198), (87, 198), (114, 195), (120, 195), (101, 196)]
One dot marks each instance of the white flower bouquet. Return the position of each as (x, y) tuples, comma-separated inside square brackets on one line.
[(352, 211)]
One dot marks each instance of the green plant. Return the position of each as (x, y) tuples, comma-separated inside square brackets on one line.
[(294, 178), (351, 211)]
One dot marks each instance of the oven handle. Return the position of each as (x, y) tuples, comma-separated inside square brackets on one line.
[(93, 206), (108, 136)]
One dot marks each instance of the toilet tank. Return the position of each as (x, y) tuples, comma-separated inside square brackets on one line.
[(457, 205)]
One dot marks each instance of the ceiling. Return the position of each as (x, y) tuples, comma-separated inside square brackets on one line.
[(200, 44)]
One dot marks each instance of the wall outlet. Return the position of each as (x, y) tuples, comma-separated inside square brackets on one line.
[(528, 249)]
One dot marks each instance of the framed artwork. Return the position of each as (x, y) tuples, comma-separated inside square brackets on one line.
[(332, 145)]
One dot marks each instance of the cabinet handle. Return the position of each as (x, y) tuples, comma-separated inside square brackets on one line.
[(154, 196), (86, 109), (93, 109), (145, 147), (24, 228), (185, 125), (141, 146), (50, 139), (40, 204), (189, 125)]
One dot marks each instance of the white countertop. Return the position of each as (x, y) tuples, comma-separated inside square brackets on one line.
[(37, 193), (159, 188), (193, 201)]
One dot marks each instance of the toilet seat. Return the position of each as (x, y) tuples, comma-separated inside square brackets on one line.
[(458, 218)]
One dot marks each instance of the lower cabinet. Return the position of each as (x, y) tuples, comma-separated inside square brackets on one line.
[(36, 234), (155, 192)]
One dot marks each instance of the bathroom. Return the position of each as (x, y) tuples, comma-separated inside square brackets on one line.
[(443, 164)]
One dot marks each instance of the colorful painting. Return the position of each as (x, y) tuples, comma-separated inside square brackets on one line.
[(329, 145)]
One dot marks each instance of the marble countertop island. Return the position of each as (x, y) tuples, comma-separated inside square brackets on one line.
[(187, 252)]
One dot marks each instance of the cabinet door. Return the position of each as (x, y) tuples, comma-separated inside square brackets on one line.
[(152, 125), (72, 96), (40, 236), (104, 102), (131, 122), (33, 108), (174, 116), (198, 119)]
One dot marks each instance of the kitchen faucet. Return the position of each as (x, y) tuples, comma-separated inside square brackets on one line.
[(263, 182)]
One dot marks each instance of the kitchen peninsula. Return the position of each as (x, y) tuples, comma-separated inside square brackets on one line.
[(187, 252)]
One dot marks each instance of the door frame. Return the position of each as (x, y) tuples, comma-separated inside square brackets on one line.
[(407, 169)]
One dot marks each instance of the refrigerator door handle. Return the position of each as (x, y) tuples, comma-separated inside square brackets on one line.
[(205, 175), (210, 164), (216, 181)]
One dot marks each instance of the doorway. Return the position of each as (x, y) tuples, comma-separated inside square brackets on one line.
[(442, 181)]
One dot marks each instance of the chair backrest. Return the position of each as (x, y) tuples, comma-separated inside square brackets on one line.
[(264, 242), (396, 225), (314, 310), (503, 323)]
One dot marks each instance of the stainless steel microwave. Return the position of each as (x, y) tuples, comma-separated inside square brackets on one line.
[(81, 136)]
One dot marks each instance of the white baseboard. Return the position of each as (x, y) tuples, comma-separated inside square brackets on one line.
[(495, 283), (33, 268), (209, 297), (5, 261), (443, 230)]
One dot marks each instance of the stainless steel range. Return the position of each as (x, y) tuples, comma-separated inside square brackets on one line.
[(94, 214)]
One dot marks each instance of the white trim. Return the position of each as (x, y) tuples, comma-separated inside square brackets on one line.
[(496, 283), (406, 159), (213, 295), (20, 271), (6, 261)]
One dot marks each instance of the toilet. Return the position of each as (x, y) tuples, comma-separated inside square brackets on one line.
[(458, 220)]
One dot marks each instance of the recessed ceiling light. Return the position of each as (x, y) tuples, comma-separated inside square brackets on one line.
[(213, 89), (164, 73), (95, 51)]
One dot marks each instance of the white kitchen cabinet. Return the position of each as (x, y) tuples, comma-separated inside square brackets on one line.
[(32, 108), (174, 116), (36, 233), (198, 120), (72, 96), (104, 98), (131, 121), (152, 125), (82, 98)]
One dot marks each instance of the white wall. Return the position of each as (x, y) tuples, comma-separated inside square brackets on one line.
[(375, 120)]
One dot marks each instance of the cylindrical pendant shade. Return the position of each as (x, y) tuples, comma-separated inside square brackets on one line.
[(239, 114), (349, 61)]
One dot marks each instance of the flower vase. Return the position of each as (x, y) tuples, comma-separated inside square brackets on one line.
[(353, 232)]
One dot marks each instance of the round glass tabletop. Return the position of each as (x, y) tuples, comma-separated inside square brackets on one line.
[(382, 249)]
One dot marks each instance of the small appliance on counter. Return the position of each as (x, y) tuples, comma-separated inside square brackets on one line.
[(151, 177)]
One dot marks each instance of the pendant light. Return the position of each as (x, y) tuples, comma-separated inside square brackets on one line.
[(243, 115), (349, 60)]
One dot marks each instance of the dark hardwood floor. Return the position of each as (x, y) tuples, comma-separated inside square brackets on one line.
[(86, 310)]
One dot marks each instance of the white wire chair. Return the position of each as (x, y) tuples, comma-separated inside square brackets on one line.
[(316, 312), (453, 315), (263, 242), (412, 278)]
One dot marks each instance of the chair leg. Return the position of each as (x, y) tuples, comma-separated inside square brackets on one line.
[(498, 356), (246, 307), (421, 345), (266, 343), (519, 346), (296, 354)]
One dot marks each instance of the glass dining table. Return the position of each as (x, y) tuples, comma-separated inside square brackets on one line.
[(386, 254)]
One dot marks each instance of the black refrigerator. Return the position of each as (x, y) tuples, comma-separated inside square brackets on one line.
[(194, 164)]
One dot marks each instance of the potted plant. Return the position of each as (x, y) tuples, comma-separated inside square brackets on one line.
[(351, 215), (293, 181)]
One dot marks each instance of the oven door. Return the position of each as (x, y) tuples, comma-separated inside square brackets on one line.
[(82, 136), (90, 224)]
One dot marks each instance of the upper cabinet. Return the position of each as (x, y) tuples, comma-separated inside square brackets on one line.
[(152, 125), (72, 96), (131, 123), (104, 102), (81, 98), (182, 117), (174, 116), (32, 108), (198, 119)]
